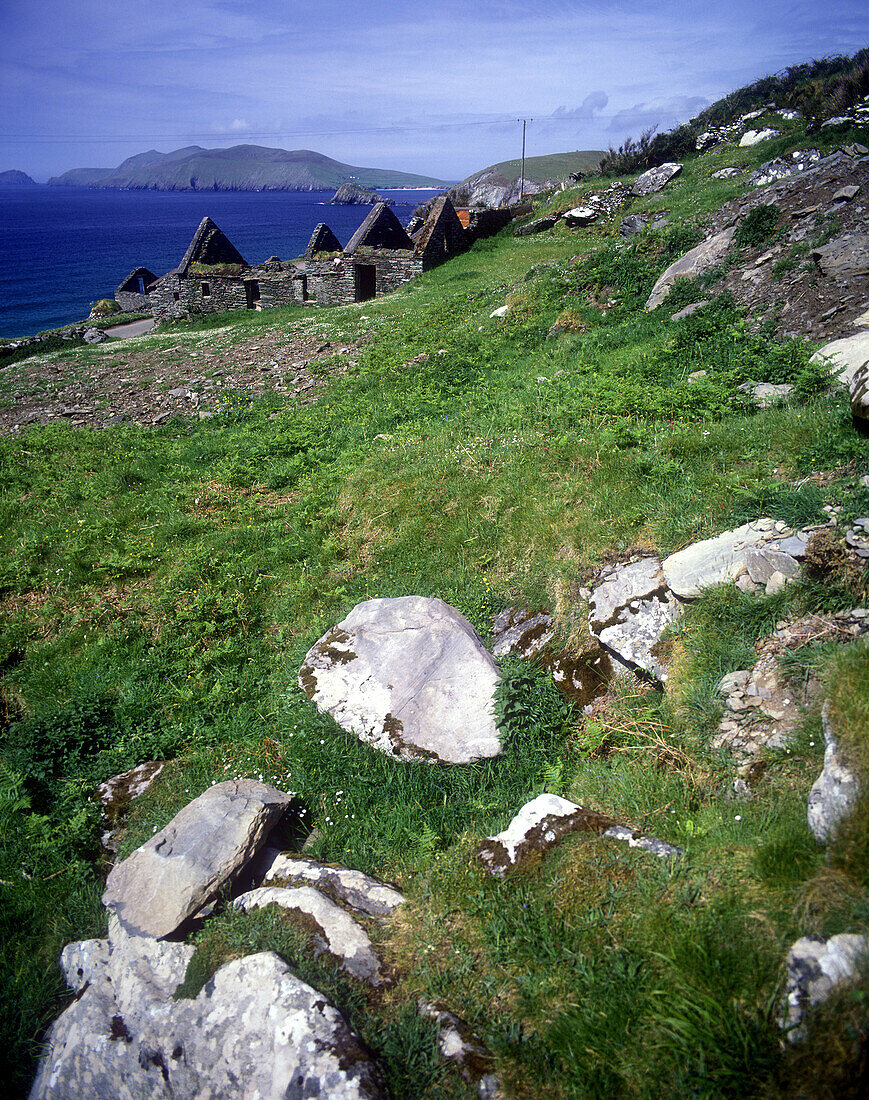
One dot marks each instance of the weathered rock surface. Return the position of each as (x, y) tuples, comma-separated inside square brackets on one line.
[(539, 825), (516, 631), (659, 848), (859, 392), (766, 394), (117, 793), (579, 216), (726, 173), (844, 257), (255, 1030), (410, 677), (783, 167), (815, 968), (632, 224), (835, 791), (539, 225), (459, 1045), (339, 935), (755, 137), (846, 355), (629, 609), (350, 888), (351, 194), (184, 866), (688, 311), (704, 256), (656, 179)]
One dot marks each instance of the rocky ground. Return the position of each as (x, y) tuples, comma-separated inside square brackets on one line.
[(149, 379)]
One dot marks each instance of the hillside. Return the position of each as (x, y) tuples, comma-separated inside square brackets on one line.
[(498, 185), (240, 168), (15, 178), (649, 500)]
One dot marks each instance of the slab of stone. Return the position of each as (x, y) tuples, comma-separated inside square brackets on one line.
[(539, 225), (501, 311), (539, 825), (846, 355), (410, 677), (845, 257), (706, 255), (350, 888), (520, 632), (255, 1030), (688, 311), (659, 848), (185, 865), (727, 173), (632, 224), (815, 968), (579, 216), (859, 393), (755, 137), (656, 179), (835, 792), (714, 561), (767, 394), (459, 1045), (340, 935)]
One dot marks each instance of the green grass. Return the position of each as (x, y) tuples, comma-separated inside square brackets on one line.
[(160, 587)]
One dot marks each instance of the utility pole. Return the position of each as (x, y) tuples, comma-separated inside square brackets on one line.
[(522, 177)]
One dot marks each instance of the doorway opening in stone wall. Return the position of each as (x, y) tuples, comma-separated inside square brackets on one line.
[(366, 282), (251, 293)]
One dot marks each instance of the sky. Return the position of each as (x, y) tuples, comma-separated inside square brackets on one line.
[(414, 85)]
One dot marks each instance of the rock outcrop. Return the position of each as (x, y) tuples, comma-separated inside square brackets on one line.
[(699, 259), (835, 792), (815, 968), (410, 677), (656, 179), (351, 194)]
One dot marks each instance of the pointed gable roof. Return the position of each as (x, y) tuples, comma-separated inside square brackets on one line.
[(322, 240), (442, 233), (381, 229), (210, 246)]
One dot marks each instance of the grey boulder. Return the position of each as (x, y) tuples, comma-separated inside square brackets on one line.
[(845, 356), (350, 888), (629, 609), (517, 631), (579, 216), (859, 391), (815, 967), (184, 866), (845, 257), (539, 825), (835, 792), (706, 255), (410, 677), (255, 1030), (656, 179), (632, 224)]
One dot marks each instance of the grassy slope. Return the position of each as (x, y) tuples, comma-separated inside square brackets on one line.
[(552, 166), (162, 586)]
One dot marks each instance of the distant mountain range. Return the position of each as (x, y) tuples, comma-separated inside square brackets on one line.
[(241, 168), (498, 185), (15, 178)]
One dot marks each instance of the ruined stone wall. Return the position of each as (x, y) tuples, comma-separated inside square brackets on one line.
[(132, 303), (486, 223), (338, 282)]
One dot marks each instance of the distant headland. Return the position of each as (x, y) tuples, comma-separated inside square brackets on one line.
[(14, 178), (240, 168)]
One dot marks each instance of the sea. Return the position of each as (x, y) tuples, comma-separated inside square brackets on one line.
[(63, 248)]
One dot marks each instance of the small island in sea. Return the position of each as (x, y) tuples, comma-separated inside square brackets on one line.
[(13, 177), (240, 168)]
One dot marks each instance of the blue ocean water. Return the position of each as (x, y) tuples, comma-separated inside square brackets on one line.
[(62, 248)]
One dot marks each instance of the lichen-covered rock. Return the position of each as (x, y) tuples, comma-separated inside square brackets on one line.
[(754, 137), (656, 179), (339, 934), (255, 1030), (579, 216), (629, 609), (717, 560), (706, 255), (815, 968), (539, 825), (836, 790), (516, 631), (350, 888), (845, 257), (632, 224), (410, 677), (859, 391), (459, 1045), (184, 866), (117, 793), (659, 848)]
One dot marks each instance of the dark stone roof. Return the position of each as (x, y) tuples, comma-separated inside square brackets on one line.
[(209, 246), (381, 229), (130, 285), (322, 240), (441, 229)]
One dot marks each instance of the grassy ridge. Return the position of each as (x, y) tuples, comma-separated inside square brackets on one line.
[(161, 587)]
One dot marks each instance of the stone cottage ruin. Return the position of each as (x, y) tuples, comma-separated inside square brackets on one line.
[(214, 277)]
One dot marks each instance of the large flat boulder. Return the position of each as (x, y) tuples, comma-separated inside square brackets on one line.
[(706, 255), (352, 889), (844, 257), (846, 356), (255, 1030), (724, 557), (656, 179), (184, 866), (410, 677)]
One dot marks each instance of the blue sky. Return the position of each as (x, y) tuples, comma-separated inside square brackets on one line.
[(416, 85)]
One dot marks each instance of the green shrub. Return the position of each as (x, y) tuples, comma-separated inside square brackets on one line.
[(104, 307), (757, 226)]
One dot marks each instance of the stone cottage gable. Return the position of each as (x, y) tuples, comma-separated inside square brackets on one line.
[(322, 240), (381, 229), (132, 294), (442, 234), (210, 246)]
